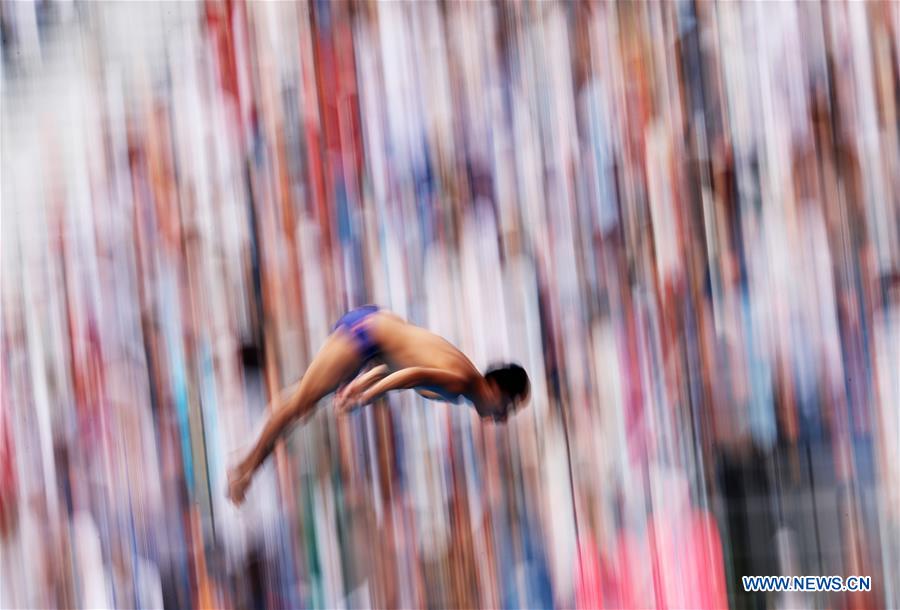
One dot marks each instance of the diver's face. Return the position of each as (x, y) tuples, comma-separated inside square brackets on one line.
[(500, 416), (495, 404), (497, 411)]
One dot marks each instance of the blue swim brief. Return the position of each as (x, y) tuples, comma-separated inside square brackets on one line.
[(354, 323)]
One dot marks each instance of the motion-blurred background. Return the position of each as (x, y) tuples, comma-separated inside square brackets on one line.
[(681, 218)]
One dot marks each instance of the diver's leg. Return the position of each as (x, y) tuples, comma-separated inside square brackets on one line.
[(335, 364)]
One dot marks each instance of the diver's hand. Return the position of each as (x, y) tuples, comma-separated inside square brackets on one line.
[(341, 397), (239, 478), (349, 400)]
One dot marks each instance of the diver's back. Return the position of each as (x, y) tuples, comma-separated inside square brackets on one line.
[(404, 345)]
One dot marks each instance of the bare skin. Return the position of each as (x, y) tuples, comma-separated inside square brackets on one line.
[(413, 358)]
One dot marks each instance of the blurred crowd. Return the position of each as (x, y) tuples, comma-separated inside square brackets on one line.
[(682, 218)]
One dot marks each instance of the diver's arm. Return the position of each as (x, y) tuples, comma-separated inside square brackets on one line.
[(412, 377)]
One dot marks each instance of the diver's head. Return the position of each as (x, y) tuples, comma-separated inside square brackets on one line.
[(510, 387)]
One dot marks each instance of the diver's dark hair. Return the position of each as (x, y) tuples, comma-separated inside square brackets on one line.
[(511, 379)]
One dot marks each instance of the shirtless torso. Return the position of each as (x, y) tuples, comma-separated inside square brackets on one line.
[(404, 345)]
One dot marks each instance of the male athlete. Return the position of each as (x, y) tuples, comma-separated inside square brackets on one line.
[(410, 358)]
